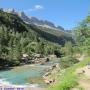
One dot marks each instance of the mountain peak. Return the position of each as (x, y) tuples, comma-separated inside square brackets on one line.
[(9, 10)]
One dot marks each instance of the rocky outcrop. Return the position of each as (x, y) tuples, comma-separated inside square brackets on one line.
[(47, 77), (39, 59)]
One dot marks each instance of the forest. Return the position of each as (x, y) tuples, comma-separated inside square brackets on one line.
[(18, 38)]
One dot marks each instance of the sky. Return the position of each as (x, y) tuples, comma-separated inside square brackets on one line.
[(66, 13)]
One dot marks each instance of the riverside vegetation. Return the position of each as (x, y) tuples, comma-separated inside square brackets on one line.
[(17, 38), (67, 79)]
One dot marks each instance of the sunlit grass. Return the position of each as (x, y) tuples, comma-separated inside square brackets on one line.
[(68, 79)]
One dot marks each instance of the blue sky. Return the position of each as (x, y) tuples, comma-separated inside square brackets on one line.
[(66, 13)]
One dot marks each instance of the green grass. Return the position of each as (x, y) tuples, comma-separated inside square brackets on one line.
[(68, 79)]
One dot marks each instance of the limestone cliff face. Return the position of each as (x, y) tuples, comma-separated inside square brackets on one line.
[(34, 20)]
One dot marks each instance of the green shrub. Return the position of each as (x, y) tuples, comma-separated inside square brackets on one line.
[(67, 61), (14, 63)]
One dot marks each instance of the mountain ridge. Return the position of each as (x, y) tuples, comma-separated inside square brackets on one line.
[(15, 23), (34, 20)]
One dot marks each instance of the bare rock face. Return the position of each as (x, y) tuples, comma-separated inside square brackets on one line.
[(34, 20)]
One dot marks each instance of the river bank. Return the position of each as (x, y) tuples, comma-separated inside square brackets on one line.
[(49, 76), (26, 76)]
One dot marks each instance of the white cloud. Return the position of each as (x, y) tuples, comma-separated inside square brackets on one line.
[(38, 7), (35, 8)]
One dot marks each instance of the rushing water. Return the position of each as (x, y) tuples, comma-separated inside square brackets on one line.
[(31, 74)]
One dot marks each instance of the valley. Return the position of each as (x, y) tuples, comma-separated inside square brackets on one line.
[(37, 54)]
